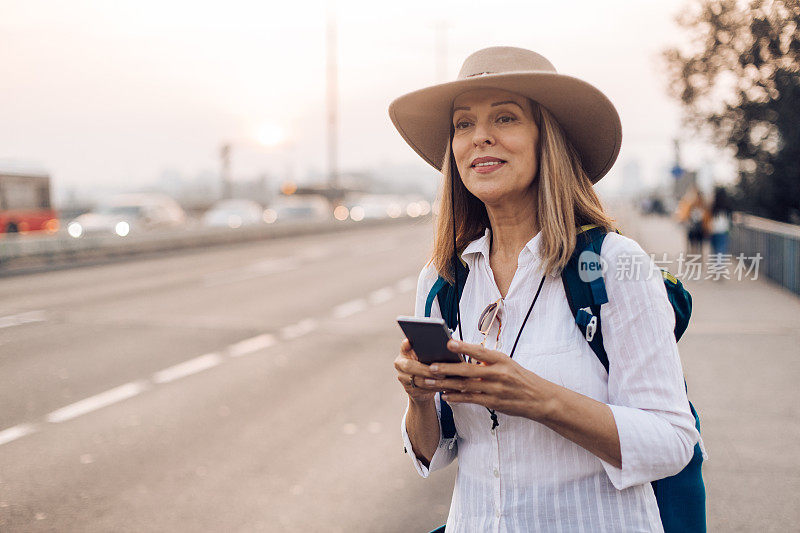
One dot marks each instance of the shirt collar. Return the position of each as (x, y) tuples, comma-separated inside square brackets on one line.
[(478, 246)]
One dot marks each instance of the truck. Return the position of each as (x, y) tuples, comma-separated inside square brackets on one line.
[(25, 204)]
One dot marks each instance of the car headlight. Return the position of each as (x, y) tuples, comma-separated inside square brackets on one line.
[(270, 216), (75, 230), (234, 221), (357, 213), (122, 228), (341, 212)]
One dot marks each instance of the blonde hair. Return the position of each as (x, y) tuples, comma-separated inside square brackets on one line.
[(565, 201)]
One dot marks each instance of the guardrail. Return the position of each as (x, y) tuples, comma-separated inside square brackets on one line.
[(777, 242), (28, 253)]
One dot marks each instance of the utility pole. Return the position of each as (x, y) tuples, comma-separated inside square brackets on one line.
[(225, 171), (332, 98)]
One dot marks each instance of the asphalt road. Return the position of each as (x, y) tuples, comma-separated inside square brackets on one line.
[(242, 388), (250, 388)]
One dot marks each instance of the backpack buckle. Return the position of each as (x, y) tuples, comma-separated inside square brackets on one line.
[(591, 328), (586, 317)]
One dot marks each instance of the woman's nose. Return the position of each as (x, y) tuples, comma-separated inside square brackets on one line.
[(482, 135)]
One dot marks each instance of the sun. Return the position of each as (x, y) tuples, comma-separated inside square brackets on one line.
[(270, 134)]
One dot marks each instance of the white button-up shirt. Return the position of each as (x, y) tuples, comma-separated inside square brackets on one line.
[(524, 476)]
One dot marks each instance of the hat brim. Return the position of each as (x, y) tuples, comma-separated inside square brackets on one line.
[(587, 116)]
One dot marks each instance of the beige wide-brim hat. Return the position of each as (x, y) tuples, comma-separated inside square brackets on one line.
[(587, 116)]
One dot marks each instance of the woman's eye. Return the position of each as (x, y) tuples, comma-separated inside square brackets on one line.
[(461, 124), (505, 119)]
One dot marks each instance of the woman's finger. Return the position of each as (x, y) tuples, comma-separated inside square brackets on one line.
[(457, 384), (476, 351), (412, 367), (468, 397), (464, 370), (407, 350)]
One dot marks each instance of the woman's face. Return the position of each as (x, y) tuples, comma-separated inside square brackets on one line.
[(496, 128)]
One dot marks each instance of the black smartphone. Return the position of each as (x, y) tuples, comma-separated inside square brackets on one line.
[(428, 338)]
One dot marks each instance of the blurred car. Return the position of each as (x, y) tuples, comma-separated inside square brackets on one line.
[(126, 213), (295, 208), (375, 206), (417, 206), (234, 214)]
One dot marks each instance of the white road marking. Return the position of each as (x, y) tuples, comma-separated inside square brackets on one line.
[(381, 295), (14, 433), (98, 401), (349, 308), (298, 330), (406, 284), (187, 368), (251, 345), (203, 362), (22, 318)]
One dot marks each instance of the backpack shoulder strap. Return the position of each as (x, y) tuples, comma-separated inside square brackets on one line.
[(448, 298), (441, 284), (585, 289)]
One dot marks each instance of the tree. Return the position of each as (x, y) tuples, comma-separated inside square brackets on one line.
[(739, 82)]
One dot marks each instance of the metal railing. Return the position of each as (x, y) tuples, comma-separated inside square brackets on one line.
[(777, 243), (28, 253)]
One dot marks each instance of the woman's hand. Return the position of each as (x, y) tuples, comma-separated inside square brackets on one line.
[(499, 383), (411, 374)]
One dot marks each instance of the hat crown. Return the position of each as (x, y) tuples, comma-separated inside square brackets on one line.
[(499, 59)]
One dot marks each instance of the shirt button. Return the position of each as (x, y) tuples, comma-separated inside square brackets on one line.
[(496, 472), (497, 513)]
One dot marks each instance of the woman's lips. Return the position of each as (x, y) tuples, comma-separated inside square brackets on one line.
[(485, 169)]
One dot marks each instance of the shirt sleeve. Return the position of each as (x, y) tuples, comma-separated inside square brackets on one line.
[(646, 390), (447, 449)]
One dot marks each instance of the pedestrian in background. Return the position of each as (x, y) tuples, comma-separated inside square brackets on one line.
[(694, 214)]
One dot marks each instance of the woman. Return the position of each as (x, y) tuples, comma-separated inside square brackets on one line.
[(574, 448), (693, 213)]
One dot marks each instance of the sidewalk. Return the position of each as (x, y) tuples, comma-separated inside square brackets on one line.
[(741, 357)]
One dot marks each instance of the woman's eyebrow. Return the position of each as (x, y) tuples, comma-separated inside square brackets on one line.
[(493, 105)]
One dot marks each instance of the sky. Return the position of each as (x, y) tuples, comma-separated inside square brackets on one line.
[(110, 95)]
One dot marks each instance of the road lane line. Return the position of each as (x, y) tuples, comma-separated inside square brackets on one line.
[(349, 308), (192, 366), (406, 284), (22, 318), (98, 401), (381, 295), (251, 345), (13, 433), (187, 368), (298, 330)]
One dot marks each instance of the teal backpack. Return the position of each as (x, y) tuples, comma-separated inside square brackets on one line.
[(681, 498)]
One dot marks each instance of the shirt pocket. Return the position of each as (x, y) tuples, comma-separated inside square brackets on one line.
[(552, 360)]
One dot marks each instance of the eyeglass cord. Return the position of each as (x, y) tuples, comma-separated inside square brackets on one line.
[(493, 414), (495, 422)]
